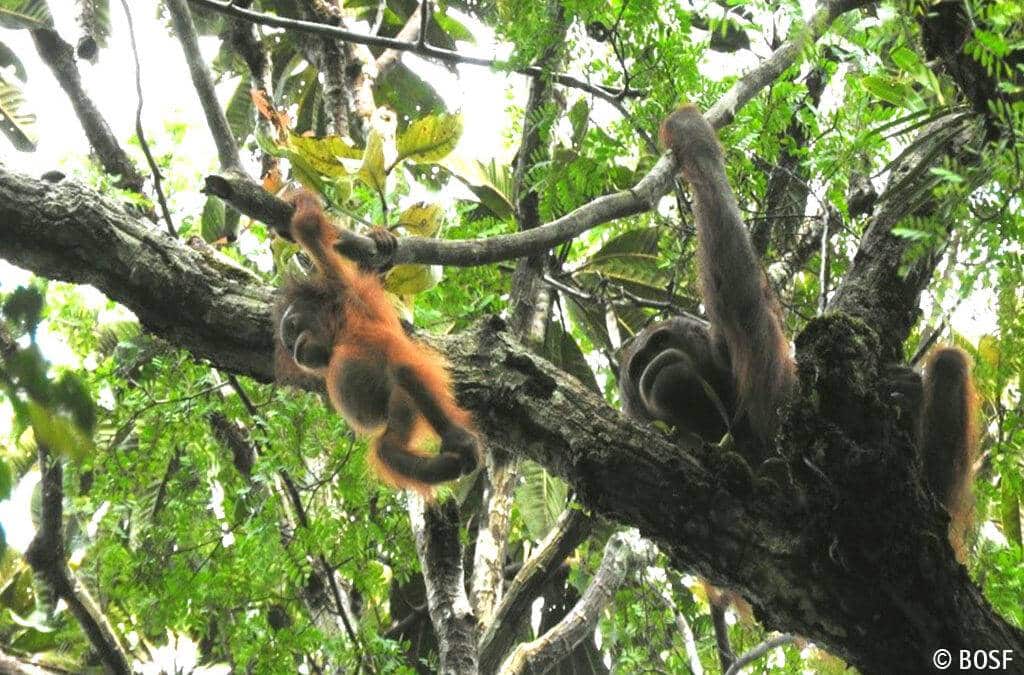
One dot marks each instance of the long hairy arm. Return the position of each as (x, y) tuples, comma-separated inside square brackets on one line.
[(743, 311)]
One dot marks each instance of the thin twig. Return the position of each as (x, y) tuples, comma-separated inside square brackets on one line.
[(143, 143)]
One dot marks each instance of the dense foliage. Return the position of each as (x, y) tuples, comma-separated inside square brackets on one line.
[(202, 509)]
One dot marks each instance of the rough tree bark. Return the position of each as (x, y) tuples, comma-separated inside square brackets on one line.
[(835, 539)]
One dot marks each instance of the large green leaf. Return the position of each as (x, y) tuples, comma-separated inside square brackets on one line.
[(58, 433), (1009, 512), (372, 170), (490, 182), (541, 498), (430, 138), (30, 14), (325, 155), (422, 219), (16, 124), (213, 220), (412, 279), (561, 349), (240, 112)]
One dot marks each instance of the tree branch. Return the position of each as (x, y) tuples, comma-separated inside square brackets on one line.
[(624, 552), (877, 288), (449, 56), (185, 28), (389, 58), (758, 651), (491, 541), (60, 57), (572, 528), (436, 529), (46, 556)]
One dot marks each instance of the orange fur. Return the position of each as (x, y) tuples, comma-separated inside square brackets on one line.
[(949, 438), (372, 360)]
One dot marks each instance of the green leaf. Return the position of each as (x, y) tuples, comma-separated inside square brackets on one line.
[(579, 118), (885, 88), (58, 433), (562, 350), (17, 124), (6, 480), (372, 170), (412, 279), (911, 233), (422, 219), (30, 14), (905, 59), (642, 240), (491, 183), (72, 396), (454, 28), (325, 154), (310, 99), (430, 138), (407, 93), (240, 112), (541, 498), (213, 220), (1009, 512)]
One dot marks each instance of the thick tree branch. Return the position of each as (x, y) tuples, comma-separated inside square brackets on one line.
[(877, 288), (60, 57), (436, 529), (189, 294), (329, 56), (185, 28), (390, 58), (491, 541)]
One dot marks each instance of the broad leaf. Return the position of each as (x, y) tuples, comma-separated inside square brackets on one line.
[(422, 219), (430, 138), (30, 14)]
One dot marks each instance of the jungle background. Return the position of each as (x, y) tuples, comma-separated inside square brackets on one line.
[(169, 509)]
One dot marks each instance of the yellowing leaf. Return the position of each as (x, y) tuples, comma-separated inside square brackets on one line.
[(430, 138), (422, 219), (372, 170), (324, 155), (988, 351), (412, 279), (58, 433)]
